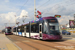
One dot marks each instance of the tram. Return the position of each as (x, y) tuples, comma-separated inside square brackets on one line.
[(8, 31), (45, 28)]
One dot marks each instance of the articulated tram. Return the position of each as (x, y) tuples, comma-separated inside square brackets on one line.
[(45, 28)]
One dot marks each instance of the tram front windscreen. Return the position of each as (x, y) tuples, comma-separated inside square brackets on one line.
[(8, 30), (53, 27)]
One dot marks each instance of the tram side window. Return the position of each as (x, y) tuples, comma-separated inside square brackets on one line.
[(45, 28), (32, 28), (14, 29), (17, 29), (22, 29), (27, 28), (40, 28), (35, 28)]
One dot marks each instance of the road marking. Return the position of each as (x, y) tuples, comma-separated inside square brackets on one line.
[(11, 47)]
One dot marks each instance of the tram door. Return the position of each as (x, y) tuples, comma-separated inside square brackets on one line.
[(25, 30), (40, 30)]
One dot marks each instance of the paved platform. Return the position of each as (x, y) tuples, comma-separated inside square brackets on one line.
[(6, 44)]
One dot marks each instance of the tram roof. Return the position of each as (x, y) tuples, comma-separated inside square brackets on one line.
[(7, 27), (43, 18)]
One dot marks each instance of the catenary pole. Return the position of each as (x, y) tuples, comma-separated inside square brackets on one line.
[(34, 10)]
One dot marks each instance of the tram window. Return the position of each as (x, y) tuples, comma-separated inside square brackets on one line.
[(52, 27), (27, 28), (32, 28), (40, 28), (14, 29), (41, 21), (45, 28), (17, 29), (22, 29), (8, 30), (35, 28)]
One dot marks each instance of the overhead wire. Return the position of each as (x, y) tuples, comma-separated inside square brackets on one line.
[(41, 5), (22, 6), (57, 4), (45, 4)]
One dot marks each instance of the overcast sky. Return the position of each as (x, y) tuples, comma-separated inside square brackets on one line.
[(19, 8)]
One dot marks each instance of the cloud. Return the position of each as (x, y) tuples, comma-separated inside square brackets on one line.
[(6, 0), (66, 13), (65, 19), (23, 16), (23, 13), (7, 12), (2, 27), (58, 9), (8, 18)]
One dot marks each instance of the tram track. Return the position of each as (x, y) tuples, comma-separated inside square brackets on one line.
[(66, 43), (51, 41), (56, 42), (22, 42), (32, 40), (60, 44), (36, 42), (70, 42)]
